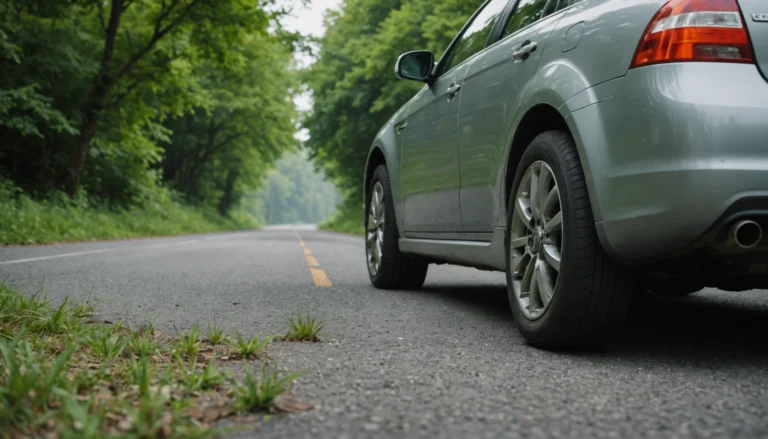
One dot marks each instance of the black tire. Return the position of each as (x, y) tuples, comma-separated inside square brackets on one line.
[(592, 294), (396, 270)]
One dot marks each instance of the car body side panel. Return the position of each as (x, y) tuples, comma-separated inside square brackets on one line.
[(493, 90), (592, 45)]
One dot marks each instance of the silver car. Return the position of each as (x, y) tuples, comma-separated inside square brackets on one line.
[(588, 148)]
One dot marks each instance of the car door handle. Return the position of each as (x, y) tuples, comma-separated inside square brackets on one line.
[(452, 90), (401, 126), (524, 51)]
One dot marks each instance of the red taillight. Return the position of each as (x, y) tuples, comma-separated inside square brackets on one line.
[(695, 30)]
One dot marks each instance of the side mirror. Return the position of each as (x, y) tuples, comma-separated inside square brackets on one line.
[(416, 66)]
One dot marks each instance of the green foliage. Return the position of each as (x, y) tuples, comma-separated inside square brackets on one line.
[(294, 192), (354, 88), (261, 394), (249, 348), (215, 334), (117, 101), (304, 327), (60, 218), (190, 343), (349, 219)]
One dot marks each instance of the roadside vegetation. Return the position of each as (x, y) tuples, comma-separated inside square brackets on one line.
[(349, 219), (59, 218), (64, 375), (130, 118)]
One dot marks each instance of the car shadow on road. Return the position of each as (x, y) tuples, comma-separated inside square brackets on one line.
[(715, 328)]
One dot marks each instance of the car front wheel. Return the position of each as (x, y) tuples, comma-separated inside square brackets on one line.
[(387, 267), (563, 289)]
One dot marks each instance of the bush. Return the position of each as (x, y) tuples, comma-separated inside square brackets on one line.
[(349, 219)]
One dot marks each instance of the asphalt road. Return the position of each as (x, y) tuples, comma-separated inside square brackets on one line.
[(444, 361)]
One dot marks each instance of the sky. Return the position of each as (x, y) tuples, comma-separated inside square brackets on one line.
[(309, 21)]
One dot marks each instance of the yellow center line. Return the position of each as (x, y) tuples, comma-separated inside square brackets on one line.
[(318, 274)]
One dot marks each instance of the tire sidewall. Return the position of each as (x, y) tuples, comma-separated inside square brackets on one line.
[(544, 148), (390, 228)]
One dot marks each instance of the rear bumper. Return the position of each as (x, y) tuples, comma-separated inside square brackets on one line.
[(671, 152)]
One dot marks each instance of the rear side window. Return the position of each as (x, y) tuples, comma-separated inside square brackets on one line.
[(556, 5), (526, 13), (476, 35)]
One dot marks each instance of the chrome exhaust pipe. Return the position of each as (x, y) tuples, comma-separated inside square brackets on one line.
[(746, 234)]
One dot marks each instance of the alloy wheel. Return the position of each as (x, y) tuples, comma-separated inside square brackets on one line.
[(536, 240), (375, 228)]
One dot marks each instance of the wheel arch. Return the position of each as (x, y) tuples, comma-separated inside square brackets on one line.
[(538, 119)]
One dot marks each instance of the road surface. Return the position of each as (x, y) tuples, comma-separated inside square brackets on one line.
[(445, 361)]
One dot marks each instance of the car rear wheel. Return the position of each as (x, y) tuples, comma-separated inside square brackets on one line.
[(387, 267), (564, 290)]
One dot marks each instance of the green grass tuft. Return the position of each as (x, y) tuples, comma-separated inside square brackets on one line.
[(304, 327), (249, 348), (261, 394), (216, 334)]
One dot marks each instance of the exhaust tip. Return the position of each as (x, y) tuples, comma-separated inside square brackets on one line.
[(747, 234)]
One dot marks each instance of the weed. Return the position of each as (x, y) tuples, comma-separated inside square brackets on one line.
[(261, 394), (27, 380), (216, 334), (250, 347), (304, 327), (192, 379), (108, 344), (142, 344), (190, 343)]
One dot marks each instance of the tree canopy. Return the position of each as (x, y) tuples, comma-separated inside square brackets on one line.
[(122, 98)]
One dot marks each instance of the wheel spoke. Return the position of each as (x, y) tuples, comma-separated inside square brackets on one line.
[(534, 295), (534, 202), (552, 256), (518, 242), (545, 284), (554, 224), (522, 266), (545, 178), (551, 200), (528, 276), (371, 222), (523, 209)]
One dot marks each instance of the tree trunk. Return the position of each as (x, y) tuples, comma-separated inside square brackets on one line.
[(96, 100), (225, 203)]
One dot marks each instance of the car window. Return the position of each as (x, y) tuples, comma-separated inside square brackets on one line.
[(526, 12), (476, 35), (556, 5)]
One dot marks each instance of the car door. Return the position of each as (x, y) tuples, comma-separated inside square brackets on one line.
[(493, 88), (429, 162)]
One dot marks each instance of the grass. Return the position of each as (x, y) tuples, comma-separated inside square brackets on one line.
[(304, 327), (60, 219), (61, 376), (261, 394), (251, 347), (347, 220)]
